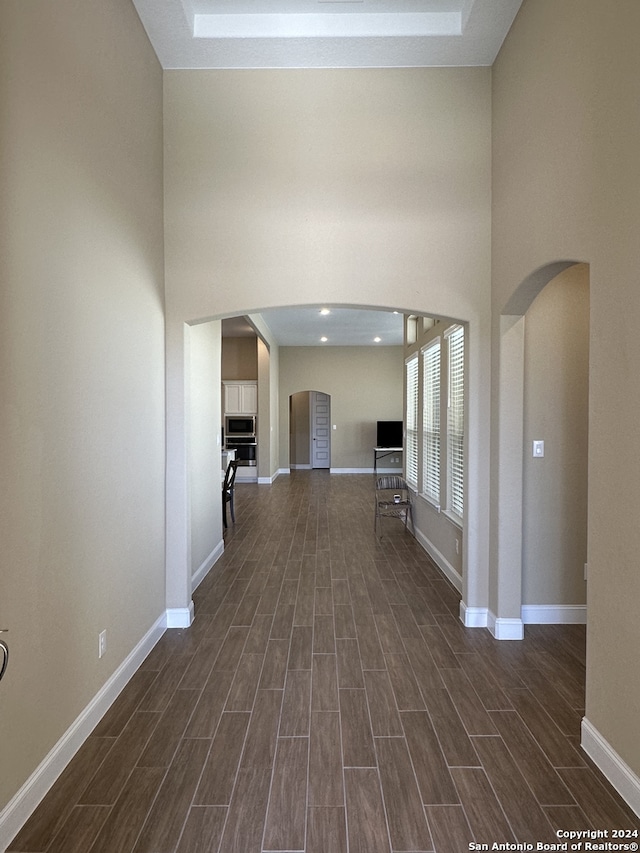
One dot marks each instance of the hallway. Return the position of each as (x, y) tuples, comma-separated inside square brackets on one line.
[(328, 699)]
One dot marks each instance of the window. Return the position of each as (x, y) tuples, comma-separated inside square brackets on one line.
[(455, 420), (411, 442), (431, 421), (435, 417)]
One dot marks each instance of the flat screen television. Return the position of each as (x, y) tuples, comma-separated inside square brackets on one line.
[(389, 434)]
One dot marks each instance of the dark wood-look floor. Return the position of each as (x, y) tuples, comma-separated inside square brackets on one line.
[(328, 699)]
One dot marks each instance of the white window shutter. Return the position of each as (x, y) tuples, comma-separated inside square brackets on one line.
[(431, 421), (455, 421), (411, 438)]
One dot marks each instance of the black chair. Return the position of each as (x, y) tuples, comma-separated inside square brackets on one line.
[(227, 491), (393, 499)]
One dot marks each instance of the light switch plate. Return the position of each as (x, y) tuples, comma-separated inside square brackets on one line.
[(538, 449)]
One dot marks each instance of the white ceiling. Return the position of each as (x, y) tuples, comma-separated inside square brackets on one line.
[(300, 327), (326, 33)]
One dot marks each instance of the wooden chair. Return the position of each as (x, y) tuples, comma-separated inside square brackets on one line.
[(227, 491), (393, 500)]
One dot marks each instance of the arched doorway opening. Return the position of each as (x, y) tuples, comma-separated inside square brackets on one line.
[(182, 563), (539, 517)]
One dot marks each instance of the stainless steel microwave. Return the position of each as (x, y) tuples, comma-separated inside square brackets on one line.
[(239, 425)]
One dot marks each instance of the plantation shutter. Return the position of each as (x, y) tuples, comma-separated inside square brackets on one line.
[(411, 441), (455, 420), (431, 421)]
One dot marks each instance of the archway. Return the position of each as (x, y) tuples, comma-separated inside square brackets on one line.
[(509, 548), (475, 545)]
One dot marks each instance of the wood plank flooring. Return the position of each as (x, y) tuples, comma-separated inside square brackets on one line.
[(327, 699)]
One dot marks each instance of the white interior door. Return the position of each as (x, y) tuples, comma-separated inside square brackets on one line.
[(320, 429)]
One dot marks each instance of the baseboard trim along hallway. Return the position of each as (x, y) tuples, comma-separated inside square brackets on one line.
[(621, 776), (23, 804)]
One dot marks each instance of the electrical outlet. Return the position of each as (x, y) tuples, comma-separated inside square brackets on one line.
[(102, 643)]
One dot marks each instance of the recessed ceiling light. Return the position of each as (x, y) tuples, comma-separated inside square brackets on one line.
[(323, 339), (377, 340), (325, 311)]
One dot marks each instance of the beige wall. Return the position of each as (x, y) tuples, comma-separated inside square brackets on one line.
[(205, 417), (268, 400), (81, 361), (299, 429), (556, 410), (289, 187), (264, 426), (239, 358), (566, 141), (365, 385)]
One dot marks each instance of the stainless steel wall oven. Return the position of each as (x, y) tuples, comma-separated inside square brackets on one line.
[(245, 448), (240, 435)]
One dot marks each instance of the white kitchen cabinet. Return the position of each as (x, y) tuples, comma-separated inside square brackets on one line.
[(240, 398)]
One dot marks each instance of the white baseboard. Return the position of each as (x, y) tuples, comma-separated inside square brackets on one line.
[(440, 560), (511, 629), (351, 470), (554, 614), (179, 617), (505, 629), (269, 481), (203, 570), (482, 617), (621, 776), (473, 617), (306, 466), (18, 810)]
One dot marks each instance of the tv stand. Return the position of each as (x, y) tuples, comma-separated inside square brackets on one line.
[(381, 452)]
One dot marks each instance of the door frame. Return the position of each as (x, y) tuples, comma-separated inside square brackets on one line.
[(312, 429)]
